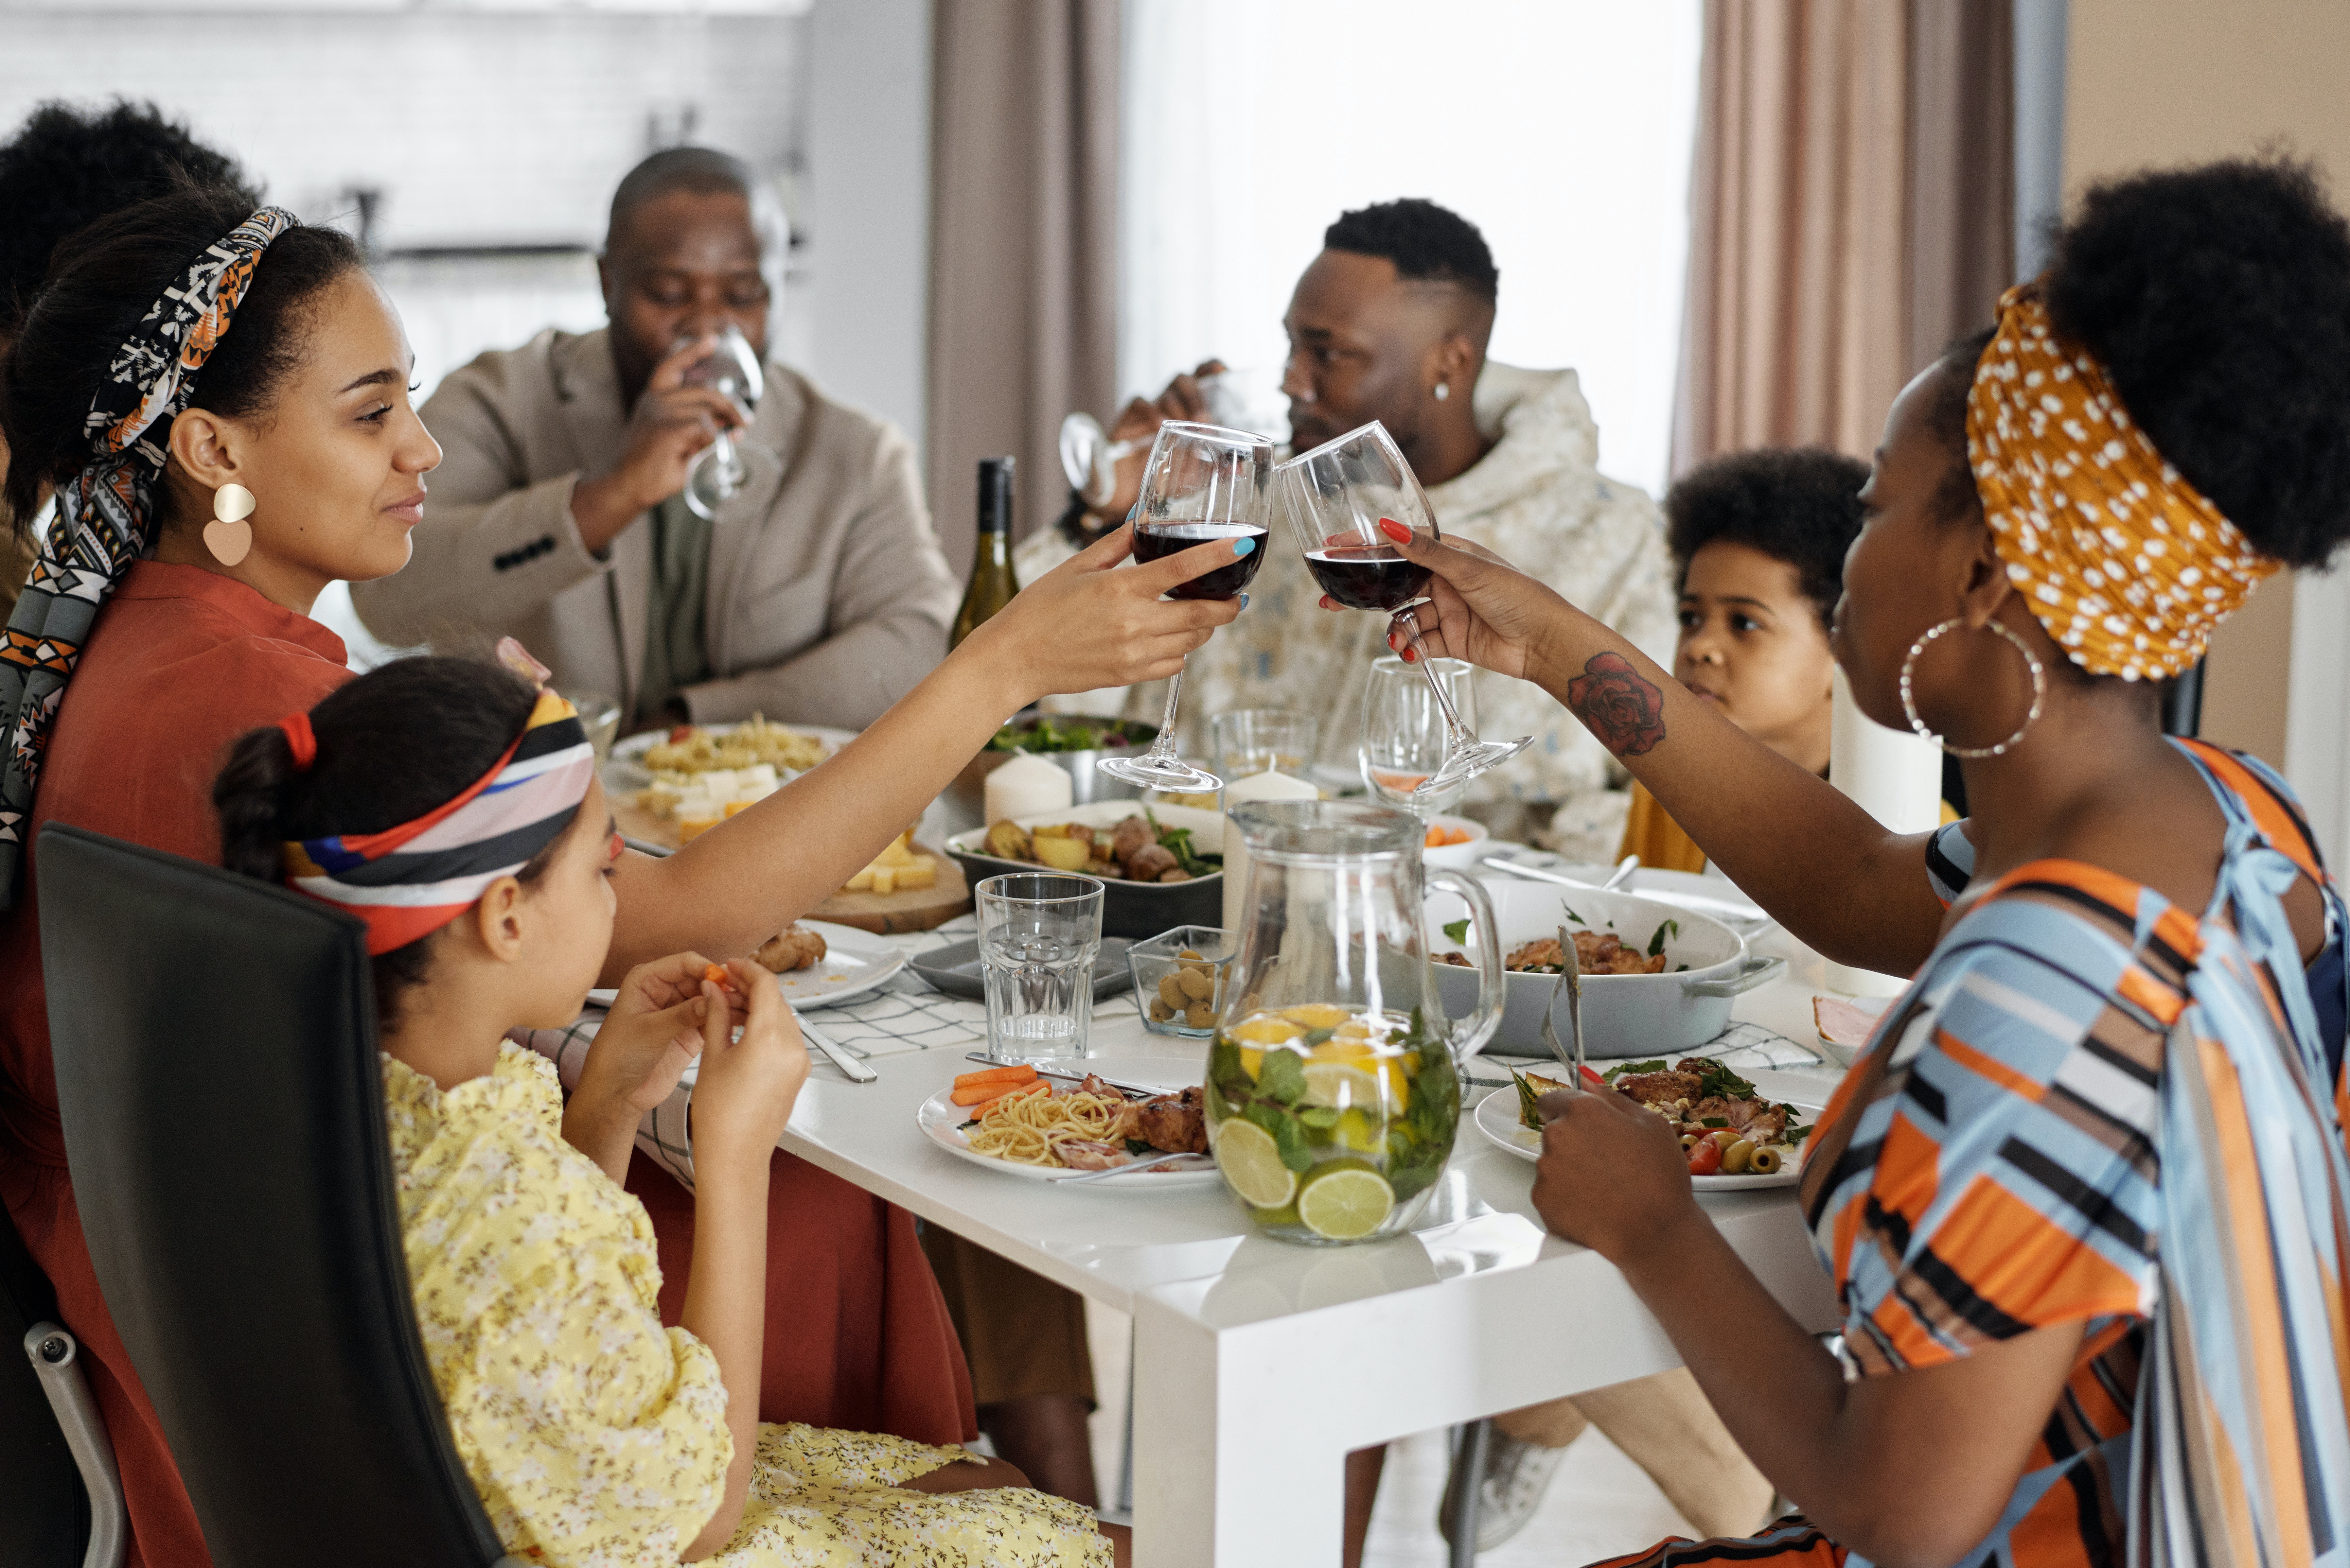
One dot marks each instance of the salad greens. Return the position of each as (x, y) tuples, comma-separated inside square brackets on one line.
[(1051, 733)]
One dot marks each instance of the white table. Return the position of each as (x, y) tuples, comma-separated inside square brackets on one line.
[(1261, 1364)]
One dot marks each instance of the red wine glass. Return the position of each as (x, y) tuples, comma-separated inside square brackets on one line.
[(1199, 482), (1336, 496)]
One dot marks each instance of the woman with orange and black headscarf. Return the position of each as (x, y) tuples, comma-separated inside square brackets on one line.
[(2085, 1199)]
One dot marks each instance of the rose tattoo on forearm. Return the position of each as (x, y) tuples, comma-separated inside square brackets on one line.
[(1624, 710)]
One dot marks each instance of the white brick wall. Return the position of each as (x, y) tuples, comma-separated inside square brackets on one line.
[(481, 129)]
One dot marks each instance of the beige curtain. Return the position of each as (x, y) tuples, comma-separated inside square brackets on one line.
[(1023, 244), (1850, 211)]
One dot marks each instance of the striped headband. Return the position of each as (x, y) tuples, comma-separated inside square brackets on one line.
[(106, 513), (2128, 564), (408, 881)]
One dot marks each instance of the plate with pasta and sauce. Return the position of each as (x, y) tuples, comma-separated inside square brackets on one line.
[(1038, 1128)]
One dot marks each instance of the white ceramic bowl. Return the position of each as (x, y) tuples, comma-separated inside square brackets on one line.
[(1706, 965), (1458, 857)]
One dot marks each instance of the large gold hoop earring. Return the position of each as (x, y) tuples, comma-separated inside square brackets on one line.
[(2039, 691)]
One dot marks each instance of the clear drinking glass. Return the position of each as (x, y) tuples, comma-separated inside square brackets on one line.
[(1253, 740), (1199, 482), (719, 470), (1336, 496), (1248, 398), (1404, 738), (1039, 934)]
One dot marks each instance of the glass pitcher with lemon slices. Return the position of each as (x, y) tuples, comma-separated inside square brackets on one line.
[(1334, 1092)]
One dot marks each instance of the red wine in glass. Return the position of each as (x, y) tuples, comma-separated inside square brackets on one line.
[(1366, 578), (1152, 540)]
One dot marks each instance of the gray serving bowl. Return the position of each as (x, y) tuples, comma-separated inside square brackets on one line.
[(1137, 910)]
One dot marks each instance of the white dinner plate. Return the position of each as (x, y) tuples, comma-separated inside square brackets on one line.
[(1497, 1118), (627, 770), (942, 1120), (854, 964)]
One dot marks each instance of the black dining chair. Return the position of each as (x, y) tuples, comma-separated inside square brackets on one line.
[(216, 1065), (60, 1500)]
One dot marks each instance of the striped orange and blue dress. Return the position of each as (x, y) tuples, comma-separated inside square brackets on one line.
[(2094, 1106)]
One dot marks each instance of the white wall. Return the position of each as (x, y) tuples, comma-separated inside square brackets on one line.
[(1561, 128), (868, 213)]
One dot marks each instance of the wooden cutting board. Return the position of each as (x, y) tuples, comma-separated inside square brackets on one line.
[(884, 914)]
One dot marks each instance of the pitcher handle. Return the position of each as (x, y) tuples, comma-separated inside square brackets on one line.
[(1469, 1038)]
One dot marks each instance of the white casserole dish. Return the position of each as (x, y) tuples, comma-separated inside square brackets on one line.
[(1624, 1015)]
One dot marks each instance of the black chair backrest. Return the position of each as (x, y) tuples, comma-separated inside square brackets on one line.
[(44, 1508), (216, 1066)]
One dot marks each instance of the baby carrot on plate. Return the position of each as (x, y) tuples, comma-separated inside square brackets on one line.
[(971, 1088)]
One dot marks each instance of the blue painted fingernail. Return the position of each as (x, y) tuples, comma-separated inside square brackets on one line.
[(1242, 546), (1244, 601)]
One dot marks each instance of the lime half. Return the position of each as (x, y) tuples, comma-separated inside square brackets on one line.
[(1251, 1162), (1345, 1201)]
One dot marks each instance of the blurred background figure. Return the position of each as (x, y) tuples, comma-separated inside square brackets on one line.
[(815, 595)]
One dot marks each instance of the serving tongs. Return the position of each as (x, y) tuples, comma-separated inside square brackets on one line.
[(1570, 980)]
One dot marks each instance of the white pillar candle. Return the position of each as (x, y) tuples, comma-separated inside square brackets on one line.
[(1895, 776), (1025, 786), (1266, 786)]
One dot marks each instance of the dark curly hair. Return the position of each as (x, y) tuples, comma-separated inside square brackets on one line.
[(105, 278), (394, 744), (1796, 505), (68, 167), (1427, 244), (2218, 296)]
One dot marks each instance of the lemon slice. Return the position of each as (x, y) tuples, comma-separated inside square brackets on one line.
[(1251, 1162), (1345, 1202), (1316, 1015), (1345, 1084)]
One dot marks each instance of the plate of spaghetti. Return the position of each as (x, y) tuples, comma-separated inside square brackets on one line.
[(1013, 1120)]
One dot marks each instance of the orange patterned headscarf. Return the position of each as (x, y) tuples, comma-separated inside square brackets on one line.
[(2127, 564)]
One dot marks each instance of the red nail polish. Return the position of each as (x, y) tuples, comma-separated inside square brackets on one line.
[(1395, 530)]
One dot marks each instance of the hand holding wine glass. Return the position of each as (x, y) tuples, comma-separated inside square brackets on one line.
[(720, 470), (1201, 484), (1479, 607), (1354, 504)]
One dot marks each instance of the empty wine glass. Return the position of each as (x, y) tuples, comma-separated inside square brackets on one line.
[(1247, 399), (1404, 738), (1336, 496), (719, 471), (1199, 482)]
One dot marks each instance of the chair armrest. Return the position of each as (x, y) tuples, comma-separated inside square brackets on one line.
[(56, 1356)]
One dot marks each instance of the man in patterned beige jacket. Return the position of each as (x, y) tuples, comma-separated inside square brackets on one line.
[(1391, 323)]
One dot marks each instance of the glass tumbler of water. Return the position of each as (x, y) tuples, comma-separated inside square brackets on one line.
[(1038, 937)]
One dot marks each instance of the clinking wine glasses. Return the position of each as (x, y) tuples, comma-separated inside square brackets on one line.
[(1199, 482), (1334, 498), (719, 470)]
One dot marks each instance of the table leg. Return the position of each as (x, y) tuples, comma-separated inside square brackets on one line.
[(1232, 1465)]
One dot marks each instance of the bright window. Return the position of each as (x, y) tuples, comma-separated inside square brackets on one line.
[(1561, 128)]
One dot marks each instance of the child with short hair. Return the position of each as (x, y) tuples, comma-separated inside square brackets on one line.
[(1759, 539), (455, 809)]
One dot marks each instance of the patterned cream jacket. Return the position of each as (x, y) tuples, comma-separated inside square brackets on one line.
[(1538, 499)]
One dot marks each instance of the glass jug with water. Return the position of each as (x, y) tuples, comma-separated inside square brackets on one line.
[(1332, 1089)]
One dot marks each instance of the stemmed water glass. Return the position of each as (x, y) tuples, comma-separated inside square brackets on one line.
[(1404, 738), (1336, 496), (718, 472), (1199, 482)]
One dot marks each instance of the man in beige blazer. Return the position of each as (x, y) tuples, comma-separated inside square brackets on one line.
[(818, 595)]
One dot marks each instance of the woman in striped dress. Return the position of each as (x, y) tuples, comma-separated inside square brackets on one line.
[(2085, 1199)]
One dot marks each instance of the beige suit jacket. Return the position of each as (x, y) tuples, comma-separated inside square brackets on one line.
[(828, 598)]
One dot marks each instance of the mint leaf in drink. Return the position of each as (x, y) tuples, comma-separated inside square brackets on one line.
[(1281, 1078), (1323, 1117), (1657, 942), (1457, 930), (1315, 1037)]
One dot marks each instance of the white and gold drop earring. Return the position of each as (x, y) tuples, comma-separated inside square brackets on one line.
[(228, 536)]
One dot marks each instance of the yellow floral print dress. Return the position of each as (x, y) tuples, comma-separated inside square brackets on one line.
[(596, 1437)]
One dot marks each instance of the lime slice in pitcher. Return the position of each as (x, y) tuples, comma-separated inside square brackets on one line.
[(1250, 1161), (1345, 1201)]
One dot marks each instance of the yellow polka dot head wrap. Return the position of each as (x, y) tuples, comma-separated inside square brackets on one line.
[(2127, 564)]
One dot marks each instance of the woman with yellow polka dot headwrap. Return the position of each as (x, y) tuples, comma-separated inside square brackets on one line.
[(2086, 1199)]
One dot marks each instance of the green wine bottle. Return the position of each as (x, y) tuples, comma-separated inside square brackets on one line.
[(993, 581)]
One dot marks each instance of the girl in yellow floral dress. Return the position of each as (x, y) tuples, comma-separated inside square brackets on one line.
[(456, 810)]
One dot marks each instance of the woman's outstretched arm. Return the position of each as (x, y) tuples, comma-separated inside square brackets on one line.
[(1079, 627), (1824, 869)]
